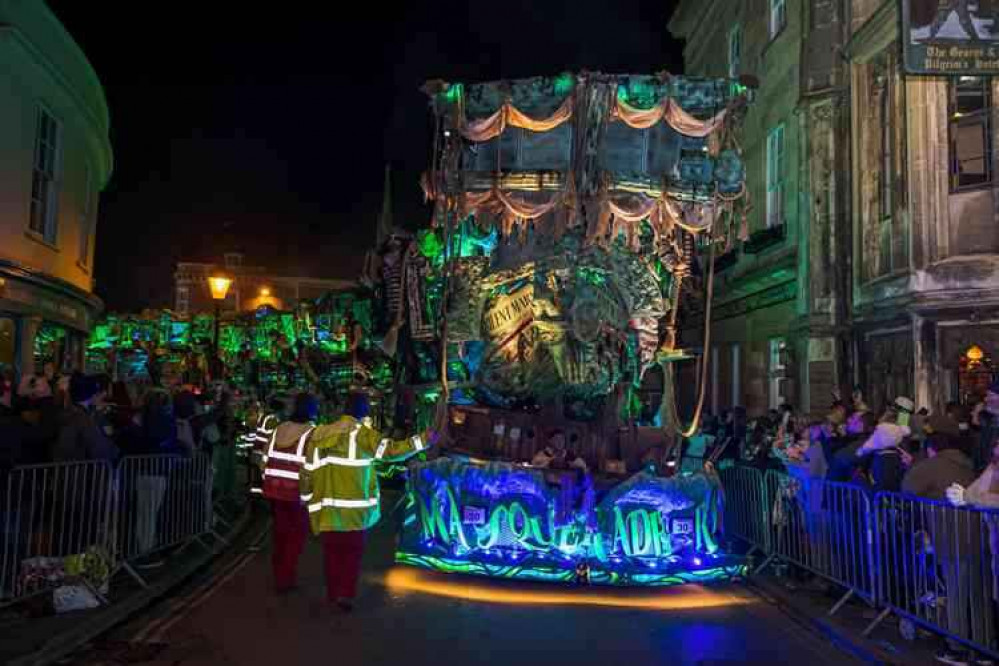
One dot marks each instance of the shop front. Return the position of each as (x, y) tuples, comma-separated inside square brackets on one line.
[(42, 320)]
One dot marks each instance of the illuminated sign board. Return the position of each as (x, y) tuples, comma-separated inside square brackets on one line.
[(959, 37)]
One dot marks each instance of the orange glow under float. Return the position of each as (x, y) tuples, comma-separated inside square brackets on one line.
[(408, 580)]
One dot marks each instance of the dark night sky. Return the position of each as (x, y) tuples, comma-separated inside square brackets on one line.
[(274, 128)]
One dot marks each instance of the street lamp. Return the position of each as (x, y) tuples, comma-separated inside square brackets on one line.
[(219, 286)]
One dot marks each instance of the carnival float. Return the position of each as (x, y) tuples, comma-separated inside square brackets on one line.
[(574, 216), (533, 322)]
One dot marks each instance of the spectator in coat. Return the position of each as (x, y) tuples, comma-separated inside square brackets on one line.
[(957, 542), (80, 435), (884, 446), (984, 494), (988, 433)]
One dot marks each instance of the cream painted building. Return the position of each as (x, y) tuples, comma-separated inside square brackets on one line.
[(55, 158)]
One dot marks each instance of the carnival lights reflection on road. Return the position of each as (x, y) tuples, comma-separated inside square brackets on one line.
[(402, 580)]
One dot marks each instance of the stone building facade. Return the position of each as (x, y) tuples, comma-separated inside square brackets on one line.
[(892, 225), (55, 159), (925, 280), (780, 322)]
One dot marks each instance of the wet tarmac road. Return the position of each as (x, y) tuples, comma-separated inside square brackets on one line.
[(406, 616)]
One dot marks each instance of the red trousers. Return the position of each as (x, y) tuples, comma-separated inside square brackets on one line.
[(290, 530), (342, 553)]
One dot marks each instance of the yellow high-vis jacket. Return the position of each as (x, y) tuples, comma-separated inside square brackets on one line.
[(338, 480)]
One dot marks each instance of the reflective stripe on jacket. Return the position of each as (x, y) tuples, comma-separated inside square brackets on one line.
[(265, 431), (249, 439), (283, 459), (338, 481)]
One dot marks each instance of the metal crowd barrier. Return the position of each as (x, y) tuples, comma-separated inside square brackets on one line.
[(746, 507), (52, 511), (825, 528), (937, 567), (927, 562), (164, 501)]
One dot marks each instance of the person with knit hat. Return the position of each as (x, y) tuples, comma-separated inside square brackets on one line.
[(957, 543), (80, 436), (339, 486)]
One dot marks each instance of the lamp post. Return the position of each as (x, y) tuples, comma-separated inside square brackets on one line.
[(219, 286)]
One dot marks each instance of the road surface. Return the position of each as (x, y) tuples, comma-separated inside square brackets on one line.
[(228, 615)]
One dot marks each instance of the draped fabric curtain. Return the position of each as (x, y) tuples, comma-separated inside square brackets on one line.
[(690, 216), (524, 209), (688, 125), (632, 207), (667, 110), (492, 126), (670, 112), (617, 212)]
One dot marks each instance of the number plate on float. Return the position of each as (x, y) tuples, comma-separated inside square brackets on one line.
[(682, 526), (473, 515)]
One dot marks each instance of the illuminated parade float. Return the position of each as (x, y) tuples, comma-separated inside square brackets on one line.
[(571, 213), (533, 323)]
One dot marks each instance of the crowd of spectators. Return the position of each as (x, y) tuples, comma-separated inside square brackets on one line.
[(50, 417), (941, 460)]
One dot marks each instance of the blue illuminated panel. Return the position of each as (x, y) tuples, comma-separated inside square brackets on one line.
[(504, 520)]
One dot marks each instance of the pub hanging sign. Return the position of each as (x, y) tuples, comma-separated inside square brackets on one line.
[(951, 37)]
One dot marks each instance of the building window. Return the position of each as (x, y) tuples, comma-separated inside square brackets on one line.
[(970, 132), (734, 51), (886, 169), (87, 217), (45, 176), (777, 371), (778, 17), (775, 176), (183, 300), (886, 154)]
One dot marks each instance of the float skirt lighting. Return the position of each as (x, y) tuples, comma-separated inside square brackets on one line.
[(402, 580)]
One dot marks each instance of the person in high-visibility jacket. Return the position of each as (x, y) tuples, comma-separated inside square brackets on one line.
[(266, 425), (251, 423), (340, 488), (281, 464)]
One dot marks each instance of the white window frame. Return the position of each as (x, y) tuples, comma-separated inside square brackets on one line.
[(778, 17), (777, 370), (734, 51), (776, 158), (46, 171), (87, 217)]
